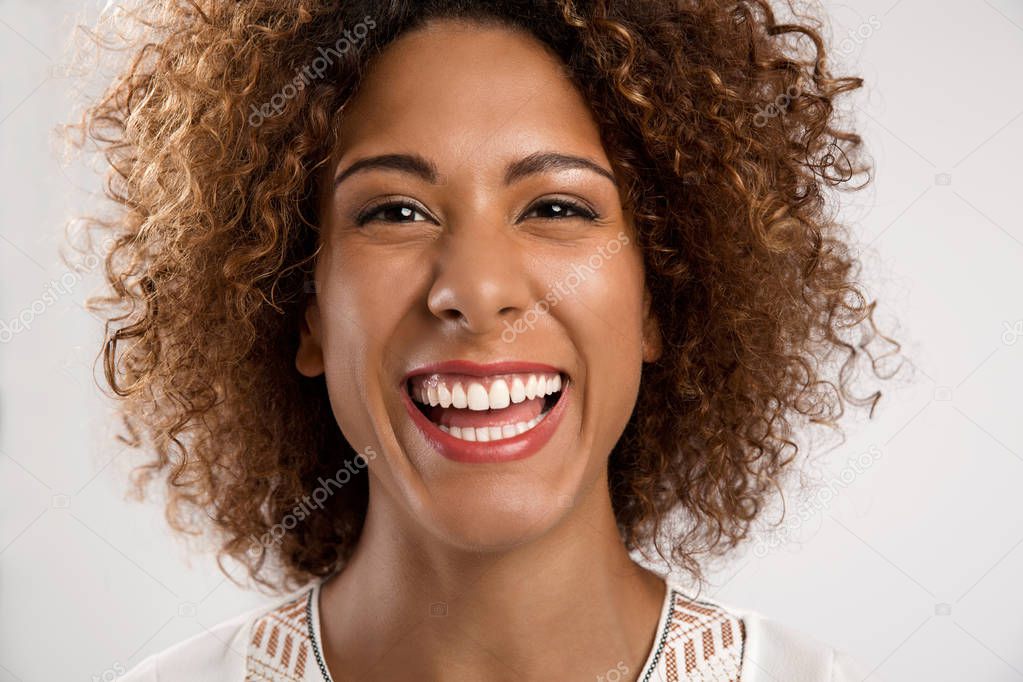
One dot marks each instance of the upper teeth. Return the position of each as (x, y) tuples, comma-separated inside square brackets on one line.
[(484, 394)]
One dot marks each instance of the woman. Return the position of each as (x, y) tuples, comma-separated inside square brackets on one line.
[(434, 312)]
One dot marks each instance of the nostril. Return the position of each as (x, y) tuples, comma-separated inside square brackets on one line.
[(452, 314)]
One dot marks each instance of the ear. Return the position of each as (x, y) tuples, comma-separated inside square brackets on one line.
[(652, 342), (309, 358)]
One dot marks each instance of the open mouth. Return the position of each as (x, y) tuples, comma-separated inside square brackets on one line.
[(485, 409)]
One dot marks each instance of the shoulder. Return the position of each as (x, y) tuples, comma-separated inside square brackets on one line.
[(707, 639), (271, 638), (776, 649)]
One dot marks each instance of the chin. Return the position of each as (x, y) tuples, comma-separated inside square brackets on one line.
[(490, 519)]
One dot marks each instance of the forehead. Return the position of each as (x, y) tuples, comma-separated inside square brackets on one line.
[(461, 92)]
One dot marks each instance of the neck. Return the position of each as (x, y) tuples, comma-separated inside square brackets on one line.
[(569, 604)]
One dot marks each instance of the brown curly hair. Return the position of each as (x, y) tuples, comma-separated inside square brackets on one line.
[(719, 123)]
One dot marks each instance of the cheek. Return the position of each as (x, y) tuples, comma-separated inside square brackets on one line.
[(603, 315), (605, 302), (362, 301), (361, 305)]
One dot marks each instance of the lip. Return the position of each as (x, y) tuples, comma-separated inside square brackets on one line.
[(505, 450), (478, 370)]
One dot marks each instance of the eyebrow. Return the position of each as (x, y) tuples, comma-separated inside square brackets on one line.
[(414, 164)]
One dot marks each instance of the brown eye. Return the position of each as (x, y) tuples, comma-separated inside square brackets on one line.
[(391, 212), (559, 209)]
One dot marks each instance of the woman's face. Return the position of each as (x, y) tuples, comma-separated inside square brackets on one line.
[(493, 254)]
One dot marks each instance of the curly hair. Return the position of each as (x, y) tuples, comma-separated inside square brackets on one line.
[(719, 122)]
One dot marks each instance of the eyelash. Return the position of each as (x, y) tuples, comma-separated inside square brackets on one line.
[(580, 209)]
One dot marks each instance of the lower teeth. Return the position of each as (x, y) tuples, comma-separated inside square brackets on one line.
[(491, 433)]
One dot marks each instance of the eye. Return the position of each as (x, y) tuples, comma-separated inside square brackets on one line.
[(559, 209), (391, 212)]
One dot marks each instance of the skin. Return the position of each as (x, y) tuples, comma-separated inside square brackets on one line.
[(523, 558)]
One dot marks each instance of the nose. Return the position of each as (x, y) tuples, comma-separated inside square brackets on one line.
[(481, 281)]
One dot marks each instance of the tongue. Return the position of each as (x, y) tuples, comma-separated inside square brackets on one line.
[(514, 413)]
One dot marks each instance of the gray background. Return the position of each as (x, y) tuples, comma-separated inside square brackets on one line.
[(911, 563)]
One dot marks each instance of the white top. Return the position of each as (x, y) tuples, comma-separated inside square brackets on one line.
[(697, 640)]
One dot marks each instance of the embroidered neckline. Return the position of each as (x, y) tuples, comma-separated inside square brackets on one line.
[(700, 642), (312, 617), (664, 625), (696, 640)]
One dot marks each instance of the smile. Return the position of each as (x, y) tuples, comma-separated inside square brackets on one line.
[(486, 409), (506, 414)]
